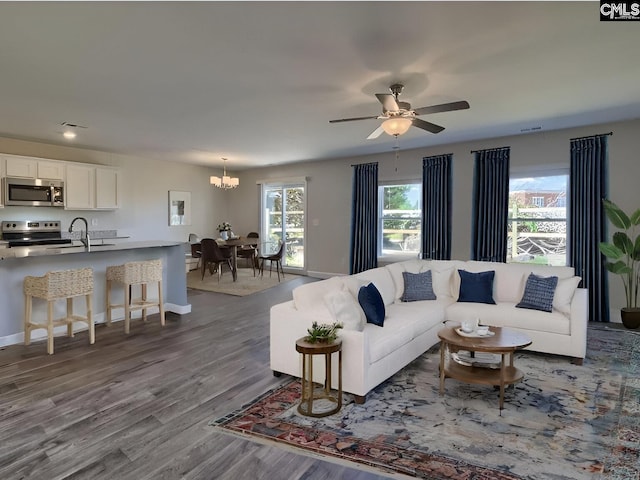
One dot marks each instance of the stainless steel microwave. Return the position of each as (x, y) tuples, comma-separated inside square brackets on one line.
[(33, 192)]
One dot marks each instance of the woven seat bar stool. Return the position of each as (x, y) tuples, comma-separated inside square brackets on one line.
[(53, 286), (135, 273)]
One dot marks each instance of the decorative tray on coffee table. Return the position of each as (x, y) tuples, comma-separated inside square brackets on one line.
[(473, 334)]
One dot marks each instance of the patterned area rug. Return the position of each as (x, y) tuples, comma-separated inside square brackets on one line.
[(246, 284), (561, 422)]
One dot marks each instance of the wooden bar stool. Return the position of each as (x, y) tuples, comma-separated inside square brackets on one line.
[(135, 273), (54, 286)]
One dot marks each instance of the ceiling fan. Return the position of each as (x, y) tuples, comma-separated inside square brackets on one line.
[(399, 116)]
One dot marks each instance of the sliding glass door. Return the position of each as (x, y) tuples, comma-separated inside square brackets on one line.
[(283, 218)]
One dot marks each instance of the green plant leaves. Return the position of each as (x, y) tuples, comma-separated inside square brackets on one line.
[(610, 250), (616, 215), (623, 242), (619, 268)]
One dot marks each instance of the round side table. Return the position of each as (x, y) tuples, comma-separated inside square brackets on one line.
[(309, 392)]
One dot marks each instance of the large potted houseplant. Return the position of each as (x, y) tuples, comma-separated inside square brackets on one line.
[(624, 258)]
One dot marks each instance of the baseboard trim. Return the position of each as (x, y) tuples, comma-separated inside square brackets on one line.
[(98, 318)]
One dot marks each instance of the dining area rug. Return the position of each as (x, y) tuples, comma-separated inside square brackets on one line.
[(562, 422), (246, 284)]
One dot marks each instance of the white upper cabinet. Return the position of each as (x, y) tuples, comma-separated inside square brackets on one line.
[(86, 186), (89, 187), (108, 190), (30, 167), (79, 187), (53, 170)]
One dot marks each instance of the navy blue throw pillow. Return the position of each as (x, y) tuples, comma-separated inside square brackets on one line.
[(476, 287), (371, 302), (417, 286), (538, 293)]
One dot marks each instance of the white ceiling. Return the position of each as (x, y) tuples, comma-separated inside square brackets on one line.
[(257, 82)]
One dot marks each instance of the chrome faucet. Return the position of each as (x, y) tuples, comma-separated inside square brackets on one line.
[(84, 239)]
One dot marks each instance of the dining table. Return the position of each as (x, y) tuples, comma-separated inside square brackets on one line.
[(233, 244)]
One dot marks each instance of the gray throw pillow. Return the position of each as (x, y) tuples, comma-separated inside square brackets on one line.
[(417, 286), (538, 293)]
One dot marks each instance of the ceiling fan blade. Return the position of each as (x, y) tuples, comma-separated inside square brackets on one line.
[(388, 102), (352, 119), (376, 133), (429, 127), (444, 107)]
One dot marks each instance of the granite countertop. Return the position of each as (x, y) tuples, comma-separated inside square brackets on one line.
[(77, 247)]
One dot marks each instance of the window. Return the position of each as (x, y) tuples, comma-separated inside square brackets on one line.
[(400, 214), (537, 224), (283, 207), (537, 201)]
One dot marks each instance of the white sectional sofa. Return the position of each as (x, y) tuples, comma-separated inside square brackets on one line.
[(371, 353)]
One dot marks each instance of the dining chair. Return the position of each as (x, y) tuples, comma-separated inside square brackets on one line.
[(194, 242), (250, 250), (271, 258), (213, 257)]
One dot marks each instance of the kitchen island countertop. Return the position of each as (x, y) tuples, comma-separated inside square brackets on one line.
[(78, 247)]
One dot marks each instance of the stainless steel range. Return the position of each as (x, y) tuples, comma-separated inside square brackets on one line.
[(26, 233)]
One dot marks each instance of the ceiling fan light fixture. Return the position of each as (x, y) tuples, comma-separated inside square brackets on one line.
[(396, 126), (226, 182)]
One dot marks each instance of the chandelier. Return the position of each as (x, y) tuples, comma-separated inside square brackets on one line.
[(226, 182)]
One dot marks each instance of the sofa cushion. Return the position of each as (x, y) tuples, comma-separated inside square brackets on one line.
[(371, 302), (311, 295), (381, 278), (417, 286), (476, 287), (422, 315), (507, 315), (345, 309), (397, 269), (397, 332), (538, 293), (564, 294)]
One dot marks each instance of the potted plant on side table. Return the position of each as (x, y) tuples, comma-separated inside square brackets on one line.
[(624, 255), (325, 333)]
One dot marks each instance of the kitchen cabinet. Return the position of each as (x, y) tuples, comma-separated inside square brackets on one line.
[(108, 188), (91, 187), (79, 187), (31, 167)]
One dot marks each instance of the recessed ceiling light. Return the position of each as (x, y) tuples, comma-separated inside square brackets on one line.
[(69, 135)]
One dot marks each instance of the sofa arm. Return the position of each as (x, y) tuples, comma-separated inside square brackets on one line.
[(579, 321)]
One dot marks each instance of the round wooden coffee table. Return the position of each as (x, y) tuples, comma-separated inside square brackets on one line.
[(504, 342)]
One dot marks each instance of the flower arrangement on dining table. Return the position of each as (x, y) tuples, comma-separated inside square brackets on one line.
[(224, 227)]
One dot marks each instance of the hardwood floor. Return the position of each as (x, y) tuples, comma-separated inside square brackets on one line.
[(137, 407)]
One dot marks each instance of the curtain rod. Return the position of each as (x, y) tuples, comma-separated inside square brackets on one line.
[(490, 149), (439, 155), (591, 136), (370, 163)]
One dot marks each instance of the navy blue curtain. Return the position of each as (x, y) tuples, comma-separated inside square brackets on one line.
[(490, 206), (587, 220), (364, 218), (436, 207)]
